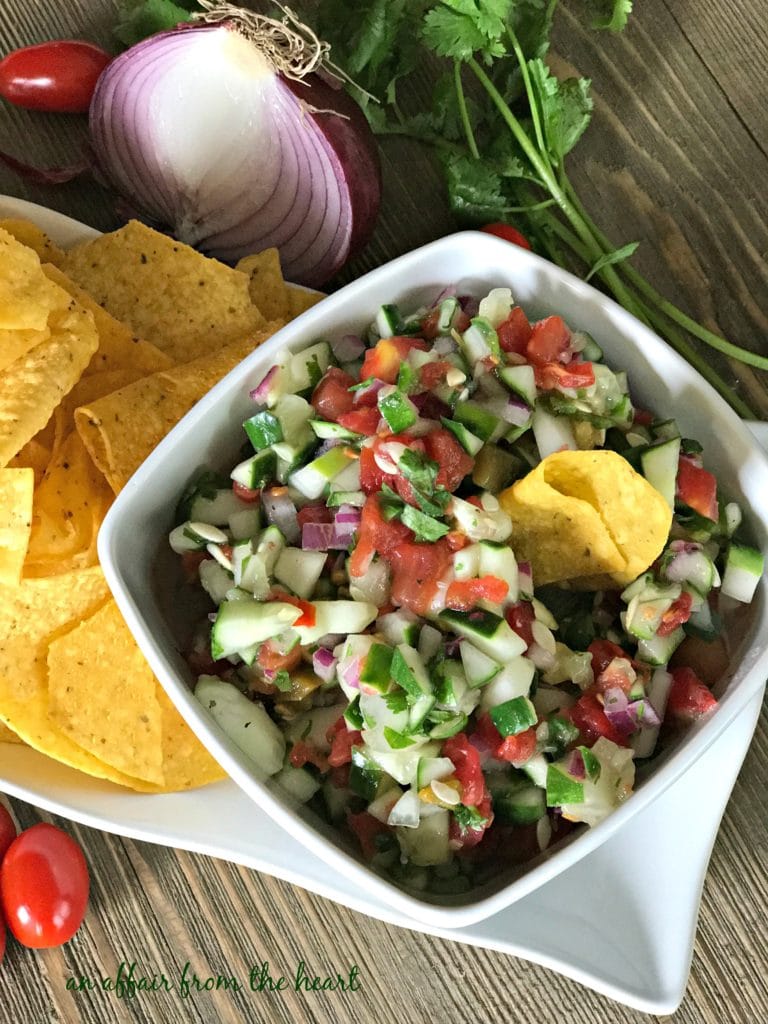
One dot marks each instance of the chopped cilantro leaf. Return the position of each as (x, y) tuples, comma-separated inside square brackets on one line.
[(396, 701), (468, 818), (282, 680), (424, 527)]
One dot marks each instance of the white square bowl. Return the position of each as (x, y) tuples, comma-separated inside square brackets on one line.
[(141, 570)]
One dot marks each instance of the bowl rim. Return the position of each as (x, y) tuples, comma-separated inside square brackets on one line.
[(235, 762)]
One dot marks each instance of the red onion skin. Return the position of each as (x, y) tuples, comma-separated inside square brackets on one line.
[(345, 131)]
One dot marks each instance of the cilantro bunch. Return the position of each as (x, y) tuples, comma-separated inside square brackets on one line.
[(502, 125)]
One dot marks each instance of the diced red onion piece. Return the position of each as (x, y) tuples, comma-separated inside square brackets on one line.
[(470, 305), (317, 536), (370, 389), (516, 412), (324, 664), (348, 347), (261, 392), (575, 766), (281, 512), (444, 345)]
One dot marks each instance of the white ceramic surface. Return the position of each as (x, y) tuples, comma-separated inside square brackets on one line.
[(642, 952), (133, 540)]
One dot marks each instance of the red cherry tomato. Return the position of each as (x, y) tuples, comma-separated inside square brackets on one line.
[(508, 233), (44, 887), (7, 831), (2, 939), (58, 77)]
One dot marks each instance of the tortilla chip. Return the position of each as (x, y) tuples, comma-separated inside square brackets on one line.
[(15, 344), (8, 735), (32, 387), (29, 234), (122, 429), (102, 695), (69, 507), (588, 518), (16, 486), (301, 299), (119, 348), (266, 286), (183, 302), (34, 456), (27, 297), (186, 762)]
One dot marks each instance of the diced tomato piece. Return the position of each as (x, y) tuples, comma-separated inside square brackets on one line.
[(376, 534), (371, 474), (456, 540), (550, 340), (518, 749), (467, 769), (555, 376), (697, 488), (617, 674), (429, 328), (271, 660), (332, 397), (603, 652), (471, 836), (307, 753), (643, 418), (190, 563), (487, 734), (689, 698), (308, 611), (443, 448), (676, 615), (383, 361), (248, 494), (315, 513), (362, 421), (590, 719), (462, 595), (515, 332), (508, 233), (521, 618), (433, 374), (416, 572), (340, 776), (342, 740), (366, 828)]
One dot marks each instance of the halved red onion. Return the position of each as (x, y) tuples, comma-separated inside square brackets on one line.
[(198, 130)]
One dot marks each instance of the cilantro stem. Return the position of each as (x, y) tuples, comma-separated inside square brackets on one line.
[(430, 140), (463, 112), (535, 114), (675, 314)]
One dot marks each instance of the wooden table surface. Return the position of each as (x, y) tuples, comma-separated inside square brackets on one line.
[(677, 156)]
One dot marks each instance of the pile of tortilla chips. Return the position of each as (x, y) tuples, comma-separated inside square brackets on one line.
[(102, 350)]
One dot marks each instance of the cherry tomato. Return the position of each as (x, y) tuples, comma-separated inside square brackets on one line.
[(58, 77), (508, 233), (44, 887), (7, 831), (2, 939)]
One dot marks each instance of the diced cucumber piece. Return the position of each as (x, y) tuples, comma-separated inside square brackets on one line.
[(643, 617), (326, 430), (450, 685), (427, 844), (375, 671), (348, 479), (269, 546), (293, 414), (536, 770), (517, 803), (419, 711), (297, 783), (703, 623), (478, 667), (520, 380), (253, 576), (449, 308), (244, 721), (514, 716), (733, 516), (307, 367), (552, 433), (337, 617), (336, 801), (430, 642), (300, 570), (590, 350), (659, 464), (466, 562), (313, 726), (659, 649), (215, 580), (477, 419), (402, 765), (364, 774), (496, 306), (562, 788), (263, 429), (397, 409), (291, 456), (499, 560), (479, 340), (245, 523), (399, 627), (409, 672), (468, 441), (239, 624), (313, 478), (444, 730), (216, 509), (743, 568), (337, 498), (431, 768), (478, 523), (490, 633), (257, 471), (387, 321), (405, 813), (381, 806), (514, 680)]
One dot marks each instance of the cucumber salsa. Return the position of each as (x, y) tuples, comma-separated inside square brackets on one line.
[(375, 644)]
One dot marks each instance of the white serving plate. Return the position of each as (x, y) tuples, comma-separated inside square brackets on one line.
[(641, 954)]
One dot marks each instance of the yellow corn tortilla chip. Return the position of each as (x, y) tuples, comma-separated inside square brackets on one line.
[(26, 295), (8, 735), (16, 487), (34, 456), (69, 507), (29, 234), (15, 344), (102, 695), (119, 348), (122, 429), (183, 302), (87, 390), (266, 286), (186, 762), (32, 615), (32, 387), (301, 299), (588, 518)]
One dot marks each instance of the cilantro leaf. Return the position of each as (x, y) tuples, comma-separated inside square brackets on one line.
[(610, 14), (474, 189), (138, 19), (390, 503), (461, 28), (566, 108), (281, 680), (615, 256), (424, 527), (468, 818), (396, 701), (418, 470)]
